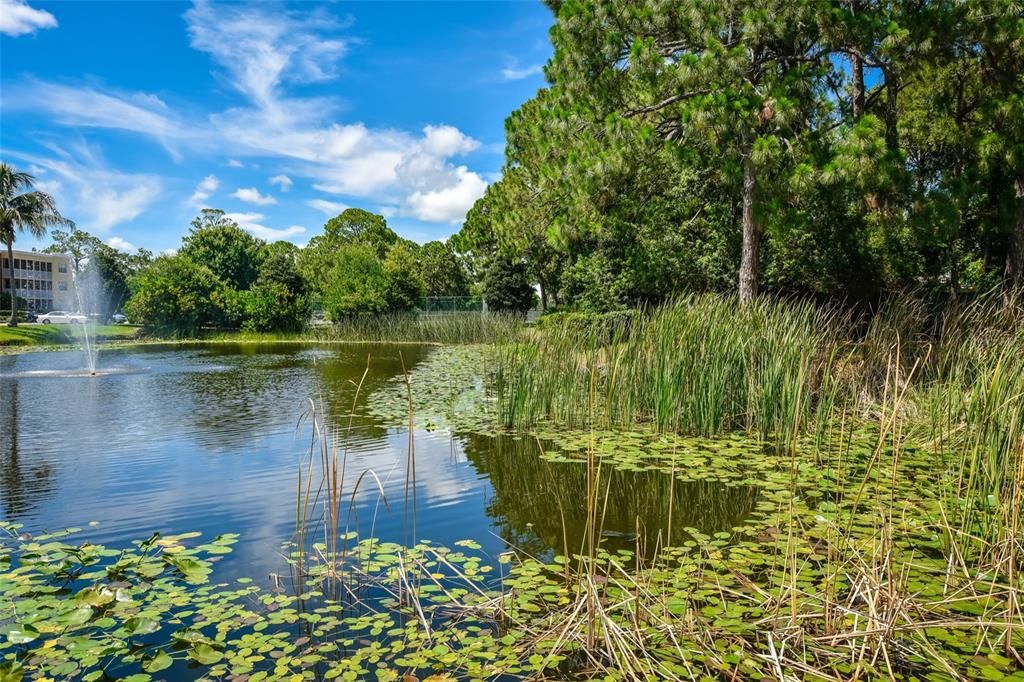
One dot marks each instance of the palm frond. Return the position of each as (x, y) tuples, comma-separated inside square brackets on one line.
[(25, 209)]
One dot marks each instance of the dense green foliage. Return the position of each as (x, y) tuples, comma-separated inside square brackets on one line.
[(507, 286), (360, 266), (405, 285), (356, 283), (838, 148), (225, 278), (442, 273), (174, 296), (233, 254), (279, 300)]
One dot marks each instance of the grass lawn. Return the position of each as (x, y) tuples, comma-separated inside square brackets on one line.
[(59, 334)]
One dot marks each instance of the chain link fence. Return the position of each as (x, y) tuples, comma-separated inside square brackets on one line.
[(429, 306)]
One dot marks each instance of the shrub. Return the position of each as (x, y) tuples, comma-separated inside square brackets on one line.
[(173, 296), (598, 328), (591, 284), (272, 306)]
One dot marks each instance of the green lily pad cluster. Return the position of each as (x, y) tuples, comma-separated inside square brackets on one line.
[(87, 612), (449, 390)]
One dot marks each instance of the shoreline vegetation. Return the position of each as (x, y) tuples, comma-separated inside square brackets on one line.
[(394, 328), (886, 539)]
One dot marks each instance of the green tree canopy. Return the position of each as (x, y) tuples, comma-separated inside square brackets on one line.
[(175, 296), (404, 282), (278, 301), (356, 226), (230, 252), (841, 148), (353, 226), (357, 283), (442, 271), (79, 244), (507, 286)]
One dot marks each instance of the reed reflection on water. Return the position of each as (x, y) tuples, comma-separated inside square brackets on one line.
[(210, 438)]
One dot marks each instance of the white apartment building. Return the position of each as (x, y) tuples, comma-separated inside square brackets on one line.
[(44, 280)]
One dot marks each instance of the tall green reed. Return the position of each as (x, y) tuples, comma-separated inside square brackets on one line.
[(704, 365), (450, 329)]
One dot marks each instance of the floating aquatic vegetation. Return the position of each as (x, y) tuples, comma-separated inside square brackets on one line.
[(84, 611), (449, 391)]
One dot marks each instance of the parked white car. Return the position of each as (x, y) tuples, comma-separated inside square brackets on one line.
[(61, 317)]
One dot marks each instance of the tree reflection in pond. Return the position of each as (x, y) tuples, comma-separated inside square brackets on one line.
[(22, 483), (532, 496)]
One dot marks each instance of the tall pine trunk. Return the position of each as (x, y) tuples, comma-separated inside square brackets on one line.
[(1015, 254), (892, 111), (750, 257), (13, 322), (858, 85)]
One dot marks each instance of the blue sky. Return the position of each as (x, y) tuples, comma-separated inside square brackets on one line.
[(137, 114)]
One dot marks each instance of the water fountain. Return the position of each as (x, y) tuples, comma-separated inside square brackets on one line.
[(92, 303)]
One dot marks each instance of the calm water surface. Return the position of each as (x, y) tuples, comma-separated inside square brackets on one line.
[(210, 439)]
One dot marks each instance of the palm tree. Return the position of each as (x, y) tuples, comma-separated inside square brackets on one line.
[(22, 208)]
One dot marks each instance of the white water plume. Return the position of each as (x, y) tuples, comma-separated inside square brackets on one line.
[(91, 297)]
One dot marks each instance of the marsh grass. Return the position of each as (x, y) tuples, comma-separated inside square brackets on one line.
[(703, 365), (447, 329), (781, 371)]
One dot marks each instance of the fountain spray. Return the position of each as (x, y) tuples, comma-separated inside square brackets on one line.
[(88, 286)]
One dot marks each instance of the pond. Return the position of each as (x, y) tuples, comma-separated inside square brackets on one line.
[(210, 438)]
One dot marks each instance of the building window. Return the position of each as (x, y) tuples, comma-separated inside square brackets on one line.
[(62, 267), (49, 266), (63, 286)]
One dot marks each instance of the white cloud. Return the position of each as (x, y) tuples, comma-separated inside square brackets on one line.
[(258, 50), (90, 107), (169, 252), (251, 195), (444, 141), (18, 18), (122, 245), (512, 73), (448, 204), (331, 208), (87, 191), (282, 181), (262, 51), (252, 223), (112, 207), (204, 189), (235, 163)]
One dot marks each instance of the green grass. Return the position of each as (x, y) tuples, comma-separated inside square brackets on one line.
[(57, 335)]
